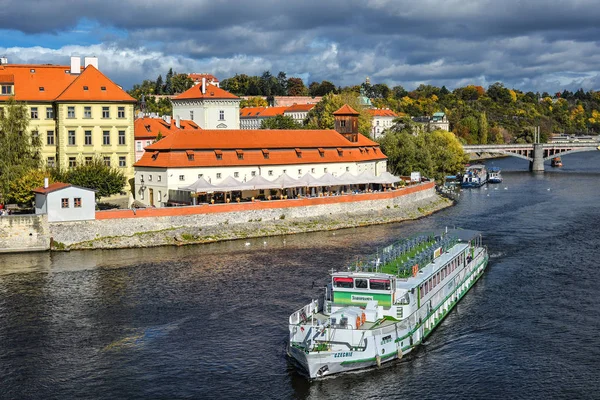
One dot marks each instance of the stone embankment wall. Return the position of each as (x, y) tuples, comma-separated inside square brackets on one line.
[(24, 233), (200, 224)]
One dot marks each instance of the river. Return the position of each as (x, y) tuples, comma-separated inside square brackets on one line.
[(210, 321)]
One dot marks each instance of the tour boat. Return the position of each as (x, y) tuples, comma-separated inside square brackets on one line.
[(475, 176), (379, 310), (494, 175), (556, 162)]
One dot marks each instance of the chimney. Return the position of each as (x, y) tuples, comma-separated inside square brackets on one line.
[(3, 60), (75, 65), (45, 183), (203, 85), (168, 119), (177, 122), (90, 61)]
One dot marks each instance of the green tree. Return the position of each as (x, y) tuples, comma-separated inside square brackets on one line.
[(483, 128), (281, 86), (21, 189), (447, 155), (253, 102), (96, 175), (169, 82), (19, 150), (158, 87), (295, 87), (321, 116), (181, 83), (280, 122)]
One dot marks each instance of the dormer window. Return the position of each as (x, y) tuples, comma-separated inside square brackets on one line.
[(7, 89), (298, 153), (321, 152), (85, 88), (103, 88), (155, 155), (32, 71), (265, 153), (190, 155), (340, 151), (41, 88), (219, 154), (240, 154)]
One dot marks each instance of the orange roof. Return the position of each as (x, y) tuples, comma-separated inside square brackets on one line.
[(251, 111), (148, 128), (300, 108), (346, 110), (272, 111), (93, 85), (37, 82), (256, 139), (380, 112), (208, 158), (51, 188), (212, 92)]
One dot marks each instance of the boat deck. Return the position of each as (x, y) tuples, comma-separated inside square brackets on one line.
[(324, 319)]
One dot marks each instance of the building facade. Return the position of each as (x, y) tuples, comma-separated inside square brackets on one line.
[(65, 202), (148, 128), (78, 113), (210, 107), (382, 119)]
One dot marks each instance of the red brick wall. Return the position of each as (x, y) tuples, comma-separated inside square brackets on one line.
[(258, 205)]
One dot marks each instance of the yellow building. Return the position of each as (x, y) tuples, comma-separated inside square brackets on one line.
[(78, 112)]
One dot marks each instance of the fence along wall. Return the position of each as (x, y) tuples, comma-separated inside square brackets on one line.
[(20, 233), (126, 223)]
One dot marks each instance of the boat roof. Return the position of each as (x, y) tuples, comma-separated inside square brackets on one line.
[(476, 166), (494, 169)]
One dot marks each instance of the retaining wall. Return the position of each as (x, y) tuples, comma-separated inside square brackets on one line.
[(123, 223), (20, 233)]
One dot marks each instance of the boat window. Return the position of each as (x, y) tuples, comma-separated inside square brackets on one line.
[(343, 283), (379, 284), (430, 283), (422, 292), (361, 284), (438, 278)]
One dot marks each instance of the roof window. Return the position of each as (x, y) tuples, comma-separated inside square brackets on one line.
[(340, 151), (41, 88), (321, 152), (103, 88), (85, 88), (240, 154), (32, 71), (155, 155), (219, 154), (190, 155), (298, 153)]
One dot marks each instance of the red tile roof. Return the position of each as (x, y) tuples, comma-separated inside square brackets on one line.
[(346, 110), (93, 85), (249, 112), (148, 128), (212, 92), (300, 108), (282, 147), (37, 82), (272, 111), (51, 188), (379, 112)]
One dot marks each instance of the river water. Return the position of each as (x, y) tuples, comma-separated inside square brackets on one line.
[(210, 321)]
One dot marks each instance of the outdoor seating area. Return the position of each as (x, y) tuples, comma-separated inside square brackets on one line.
[(231, 190)]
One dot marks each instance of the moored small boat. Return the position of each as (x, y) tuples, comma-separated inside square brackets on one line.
[(556, 162), (494, 175), (381, 309), (475, 176)]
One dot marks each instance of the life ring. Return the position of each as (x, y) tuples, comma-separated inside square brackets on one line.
[(363, 318), (357, 322)]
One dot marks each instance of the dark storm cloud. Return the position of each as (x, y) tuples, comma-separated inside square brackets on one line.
[(525, 44)]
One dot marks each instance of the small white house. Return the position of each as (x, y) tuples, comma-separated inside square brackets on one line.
[(65, 202)]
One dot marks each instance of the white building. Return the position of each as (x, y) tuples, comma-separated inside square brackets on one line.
[(210, 107), (299, 112), (65, 202), (382, 119), (147, 128), (183, 157)]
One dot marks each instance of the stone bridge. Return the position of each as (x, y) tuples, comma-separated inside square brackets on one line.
[(535, 153)]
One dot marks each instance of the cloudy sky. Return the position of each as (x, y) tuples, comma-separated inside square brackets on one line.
[(525, 44)]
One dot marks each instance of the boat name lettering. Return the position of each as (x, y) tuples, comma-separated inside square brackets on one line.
[(344, 354), (361, 298)]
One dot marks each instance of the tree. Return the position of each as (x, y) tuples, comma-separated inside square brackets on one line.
[(19, 150), (281, 87), (447, 154), (321, 116), (267, 83), (21, 189), (158, 87), (96, 175), (253, 102), (483, 128), (169, 82), (181, 83), (280, 122), (295, 87)]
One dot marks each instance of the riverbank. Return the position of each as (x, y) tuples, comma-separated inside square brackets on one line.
[(257, 228)]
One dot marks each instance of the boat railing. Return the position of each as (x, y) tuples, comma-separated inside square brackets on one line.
[(305, 313)]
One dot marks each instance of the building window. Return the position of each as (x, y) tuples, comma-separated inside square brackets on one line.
[(236, 174), (87, 137), (34, 113), (325, 169), (87, 112), (218, 175), (34, 136), (222, 115), (200, 176), (106, 161), (377, 123), (71, 138), (149, 178), (347, 169), (181, 178), (270, 172), (88, 160), (50, 138), (6, 89), (343, 123), (299, 171), (159, 178), (190, 156), (122, 162), (138, 146), (121, 112), (219, 156), (49, 113), (64, 202), (77, 202), (105, 112), (121, 137), (72, 162), (312, 170), (253, 173), (148, 142), (70, 112), (85, 88), (106, 137), (240, 156), (191, 115), (51, 162)]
